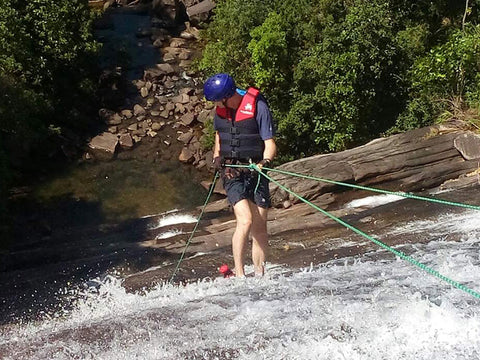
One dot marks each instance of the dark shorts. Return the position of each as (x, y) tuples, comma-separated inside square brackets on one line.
[(247, 186)]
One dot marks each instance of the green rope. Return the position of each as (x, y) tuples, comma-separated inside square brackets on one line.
[(210, 192), (398, 193), (378, 242)]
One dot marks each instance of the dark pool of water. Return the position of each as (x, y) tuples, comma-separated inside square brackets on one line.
[(125, 189)]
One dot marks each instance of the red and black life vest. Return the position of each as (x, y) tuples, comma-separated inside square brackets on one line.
[(239, 137)]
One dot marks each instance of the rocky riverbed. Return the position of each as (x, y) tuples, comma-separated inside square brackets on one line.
[(164, 112)]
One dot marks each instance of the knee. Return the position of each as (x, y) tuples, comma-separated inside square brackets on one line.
[(244, 223)]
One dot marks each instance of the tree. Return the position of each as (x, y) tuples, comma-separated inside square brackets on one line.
[(47, 72)]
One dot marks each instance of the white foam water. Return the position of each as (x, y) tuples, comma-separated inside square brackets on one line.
[(352, 308), (172, 219), (373, 201)]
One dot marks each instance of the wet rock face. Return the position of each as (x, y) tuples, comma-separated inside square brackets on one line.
[(412, 161)]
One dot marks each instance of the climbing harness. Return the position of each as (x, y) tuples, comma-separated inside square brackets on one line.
[(354, 229), (210, 192)]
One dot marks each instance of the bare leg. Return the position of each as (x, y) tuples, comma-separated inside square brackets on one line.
[(243, 215), (259, 238)]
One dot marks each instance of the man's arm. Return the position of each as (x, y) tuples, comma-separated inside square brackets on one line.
[(268, 154), (216, 148), (270, 149)]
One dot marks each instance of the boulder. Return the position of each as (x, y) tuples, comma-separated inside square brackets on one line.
[(468, 145), (133, 127), (156, 126), (158, 43), (185, 55), (201, 164), (182, 99), (162, 99), (115, 119), (103, 146), (412, 161), (113, 129), (139, 132), (201, 11), (169, 58), (187, 90), (107, 4), (165, 114), (127, 113), (126, 141), (166, 69), (138, 110), (150, 101), (187, 35), (187, 119), (178, 43), (169, 84), (186, 155), (153, 74), (185, 137), (173, 51), (185, 63), (204, 116)]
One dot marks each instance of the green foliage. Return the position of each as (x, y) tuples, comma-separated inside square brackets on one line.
[(446, 76), (47, 72), (269, 53), (47, 56), (208, 138), (229, 36), (338, 73)]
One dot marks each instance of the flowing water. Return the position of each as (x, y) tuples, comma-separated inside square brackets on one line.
[(367, 307)]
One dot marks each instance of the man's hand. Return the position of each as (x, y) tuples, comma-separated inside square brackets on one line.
[(264, 162), (217, 163)]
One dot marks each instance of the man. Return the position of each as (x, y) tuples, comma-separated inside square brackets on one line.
[(243, 133)]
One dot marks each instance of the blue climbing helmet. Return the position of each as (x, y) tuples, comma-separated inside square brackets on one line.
[(218, 87)]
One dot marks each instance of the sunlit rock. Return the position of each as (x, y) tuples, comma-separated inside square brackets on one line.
[(127, 113), (187, 119), (138, 110), (103, 146), (185, 137), (469, 145), (126, 141), (186, 155), (115, 119)]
